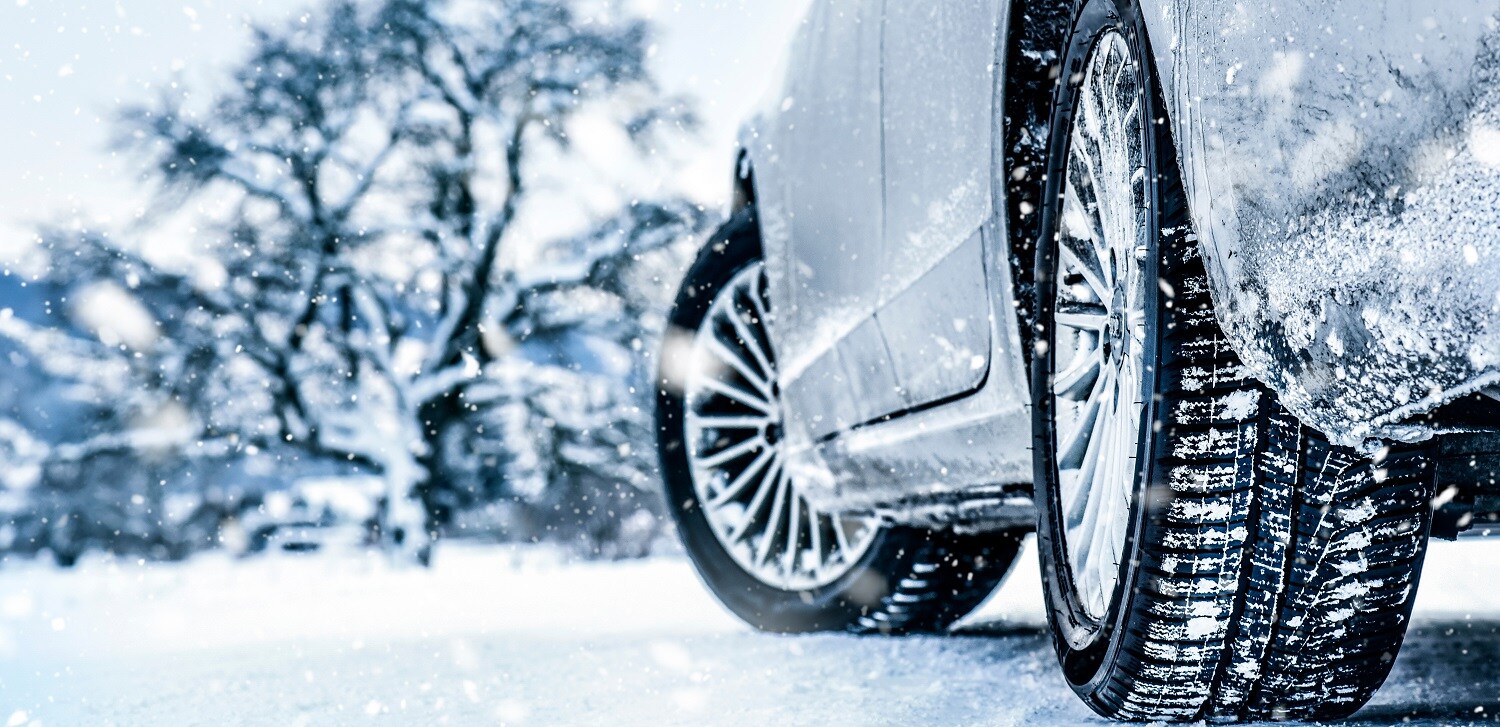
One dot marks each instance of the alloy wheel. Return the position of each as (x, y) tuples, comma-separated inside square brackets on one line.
[(1100, 311)]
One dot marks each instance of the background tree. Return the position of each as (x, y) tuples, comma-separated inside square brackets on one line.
[(366, 250)]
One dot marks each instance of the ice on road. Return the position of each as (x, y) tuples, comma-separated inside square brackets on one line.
[(498, 636)]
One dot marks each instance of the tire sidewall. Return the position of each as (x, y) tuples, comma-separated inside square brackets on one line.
[(1086, 646)]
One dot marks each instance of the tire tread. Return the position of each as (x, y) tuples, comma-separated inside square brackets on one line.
[(1278, 569)]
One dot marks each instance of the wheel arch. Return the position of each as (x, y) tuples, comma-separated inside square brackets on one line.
[(1032, 56), (1033, 49)]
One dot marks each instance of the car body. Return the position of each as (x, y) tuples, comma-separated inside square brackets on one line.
[(1205, 294), (1331, 150)]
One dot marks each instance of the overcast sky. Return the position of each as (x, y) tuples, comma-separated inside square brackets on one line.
[(66, 64)]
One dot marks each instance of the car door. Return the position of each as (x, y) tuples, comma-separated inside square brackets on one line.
[(938, 116), (826, 284)]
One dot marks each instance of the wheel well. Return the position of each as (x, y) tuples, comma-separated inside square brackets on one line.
[(1035, 44), (1035, 40)]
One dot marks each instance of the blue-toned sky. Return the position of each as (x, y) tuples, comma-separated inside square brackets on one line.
[(66, 64)]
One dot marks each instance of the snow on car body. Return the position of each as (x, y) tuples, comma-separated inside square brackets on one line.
[(1343, 160)]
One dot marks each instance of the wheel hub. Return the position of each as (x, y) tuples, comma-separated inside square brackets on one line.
[(773, 434)]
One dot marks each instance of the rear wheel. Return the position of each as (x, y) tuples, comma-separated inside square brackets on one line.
[(768, 554), (1204, 555)]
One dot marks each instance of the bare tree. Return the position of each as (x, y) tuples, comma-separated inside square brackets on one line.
[(358, 186)]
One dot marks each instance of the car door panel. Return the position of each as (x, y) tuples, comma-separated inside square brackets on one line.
[(883, 150), (827, 217), (824, 396), (831, 125), (938, 330), (869, 363), (938, 116)]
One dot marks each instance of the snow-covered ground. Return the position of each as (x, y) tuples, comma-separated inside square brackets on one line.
[(499, 636)]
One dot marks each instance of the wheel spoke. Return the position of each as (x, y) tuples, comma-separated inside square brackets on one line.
[(1135, 107), (731, 391), (762, 315), (1071, 454), (1095, 471), (751, 343), (745, 527), (1107, 516), (1090, 129), (768, 536), (1078, 218), (840, 536), (731, 453), (1082, 316), (714, 421), (1087, 216), (723, 353), (1092, 274), (744, 479), (815, 532), (1088, 470), (1081, 375), (793, 533)]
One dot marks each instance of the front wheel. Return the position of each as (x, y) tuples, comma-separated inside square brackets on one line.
[(767, 554), (1204, 555)]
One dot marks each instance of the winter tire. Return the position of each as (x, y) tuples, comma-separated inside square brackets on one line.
[(1204, 555), (763, 551)]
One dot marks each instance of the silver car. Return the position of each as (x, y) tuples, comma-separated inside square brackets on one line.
[(1205, 294)]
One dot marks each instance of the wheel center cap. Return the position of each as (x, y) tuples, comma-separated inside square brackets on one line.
[(773, 433), (1114, 336)]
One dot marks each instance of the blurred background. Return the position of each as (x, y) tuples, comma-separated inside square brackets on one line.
[(289, 273), (326, 336)]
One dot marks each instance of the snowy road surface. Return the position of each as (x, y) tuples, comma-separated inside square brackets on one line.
[(493, 636)]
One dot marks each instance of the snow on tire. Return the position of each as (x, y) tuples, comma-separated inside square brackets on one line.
[(1257, 572), (1358, 535)]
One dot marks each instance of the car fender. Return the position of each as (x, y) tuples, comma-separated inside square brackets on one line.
[(1342, 164)]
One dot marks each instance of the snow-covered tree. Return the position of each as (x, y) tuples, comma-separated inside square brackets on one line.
[(564, 428), (370, 238), (90, 441)]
